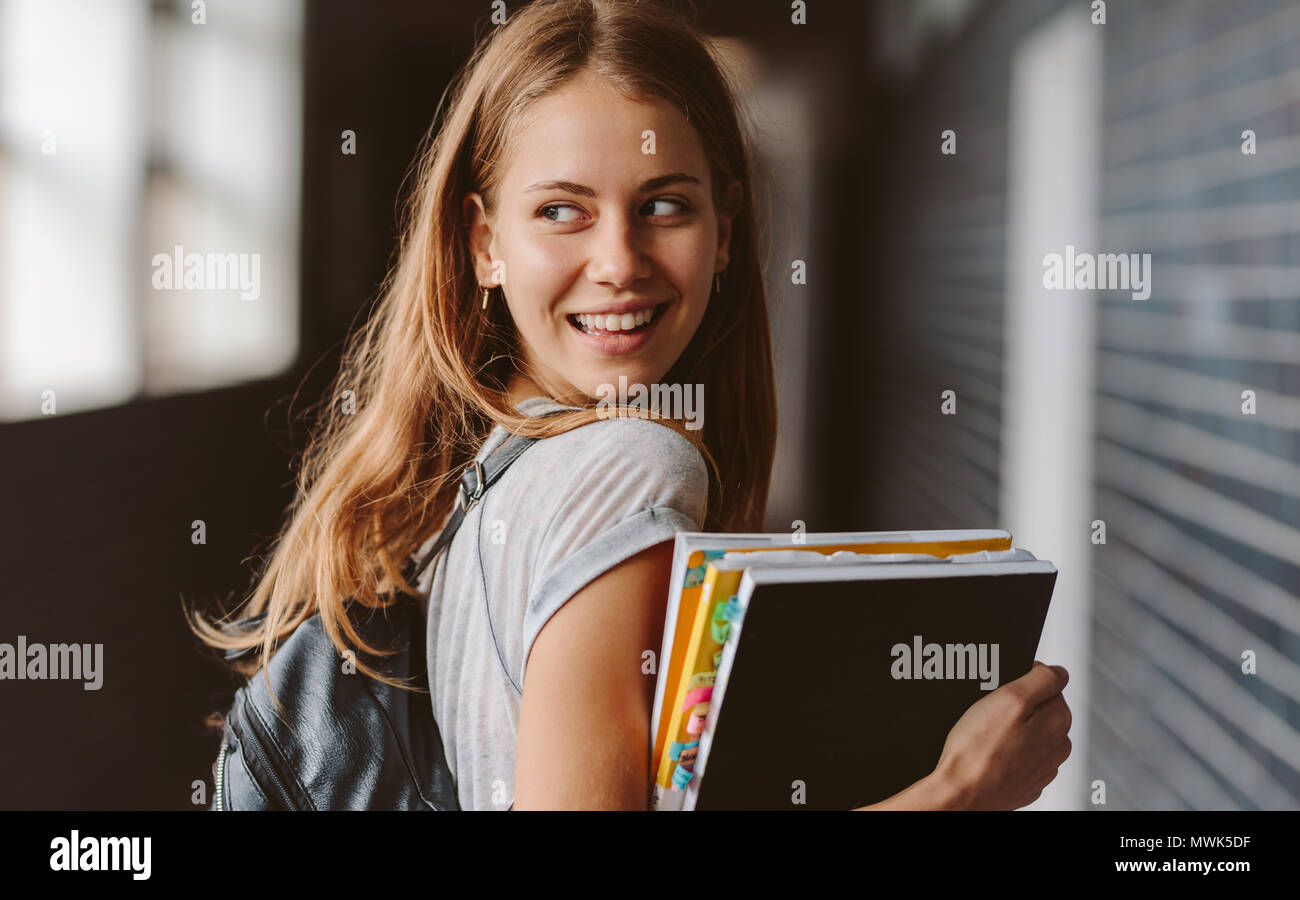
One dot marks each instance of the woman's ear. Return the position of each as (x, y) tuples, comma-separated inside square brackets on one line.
[(480, 235), (730, 204)]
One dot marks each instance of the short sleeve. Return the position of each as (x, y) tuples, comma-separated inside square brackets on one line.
[(629, 484)]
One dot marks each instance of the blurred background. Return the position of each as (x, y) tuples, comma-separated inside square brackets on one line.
[(922, 157)]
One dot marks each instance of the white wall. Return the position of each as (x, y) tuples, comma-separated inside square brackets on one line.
[(1047, 426)]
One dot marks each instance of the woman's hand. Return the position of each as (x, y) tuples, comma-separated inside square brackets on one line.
[(1003, 750)]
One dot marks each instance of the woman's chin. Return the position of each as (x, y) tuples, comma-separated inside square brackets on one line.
[(612, 386)]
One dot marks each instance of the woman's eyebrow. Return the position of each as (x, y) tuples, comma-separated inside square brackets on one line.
[(650, 184)]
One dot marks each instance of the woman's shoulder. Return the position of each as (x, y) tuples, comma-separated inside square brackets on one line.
[(596, 495), (641, 461), (652, 448), (640, 440)]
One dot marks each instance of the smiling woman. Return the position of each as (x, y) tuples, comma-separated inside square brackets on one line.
[(643, 234), (587, 185)]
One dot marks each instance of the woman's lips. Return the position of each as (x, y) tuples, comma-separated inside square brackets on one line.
[(618, 342)]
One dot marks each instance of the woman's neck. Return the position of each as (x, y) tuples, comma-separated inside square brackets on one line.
[(520, 389)]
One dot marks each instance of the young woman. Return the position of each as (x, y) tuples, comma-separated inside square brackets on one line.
[(583, 214)]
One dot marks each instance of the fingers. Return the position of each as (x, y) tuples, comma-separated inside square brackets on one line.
[(1042, 785), (1053, 718), (1035, 786), (1059, 670), (1038, 685), (1066, 748)]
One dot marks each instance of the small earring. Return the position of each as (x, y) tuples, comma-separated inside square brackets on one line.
[(717, 281), (485, 298)]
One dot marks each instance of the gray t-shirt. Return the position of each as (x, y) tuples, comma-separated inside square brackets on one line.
[(570, 508)]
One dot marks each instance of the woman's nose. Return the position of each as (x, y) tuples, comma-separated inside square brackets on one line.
[(617, 256)]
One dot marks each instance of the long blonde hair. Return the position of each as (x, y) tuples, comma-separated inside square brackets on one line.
[(429, 369)]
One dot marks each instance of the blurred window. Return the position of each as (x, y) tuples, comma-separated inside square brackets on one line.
[(129, 130)]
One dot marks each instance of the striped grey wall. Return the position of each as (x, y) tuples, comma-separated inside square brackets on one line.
[(1201, 501)]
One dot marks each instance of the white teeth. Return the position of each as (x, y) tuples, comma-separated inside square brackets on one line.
[(613, 322)]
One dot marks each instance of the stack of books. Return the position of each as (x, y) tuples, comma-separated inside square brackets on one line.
[(826, 673)]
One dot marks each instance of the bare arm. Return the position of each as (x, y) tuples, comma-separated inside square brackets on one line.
[(584, 720), (931, 792)]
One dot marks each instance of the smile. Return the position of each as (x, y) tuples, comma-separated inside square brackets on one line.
[(610, 323), (614, 333)]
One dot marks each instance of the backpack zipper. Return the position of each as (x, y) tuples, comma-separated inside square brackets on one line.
[(252, 739), (221, 773)]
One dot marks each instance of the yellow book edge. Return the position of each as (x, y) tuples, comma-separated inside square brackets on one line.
[(718, 586)]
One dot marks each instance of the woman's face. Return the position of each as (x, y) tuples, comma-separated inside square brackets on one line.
[(607, 250)]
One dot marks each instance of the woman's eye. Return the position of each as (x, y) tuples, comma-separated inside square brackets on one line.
[(555, 206), (681, 207), (552, 212)]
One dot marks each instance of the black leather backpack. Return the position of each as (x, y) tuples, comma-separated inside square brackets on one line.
[(343, 739)]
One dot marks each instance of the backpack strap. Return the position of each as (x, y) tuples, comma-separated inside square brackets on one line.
[(474, 482)]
